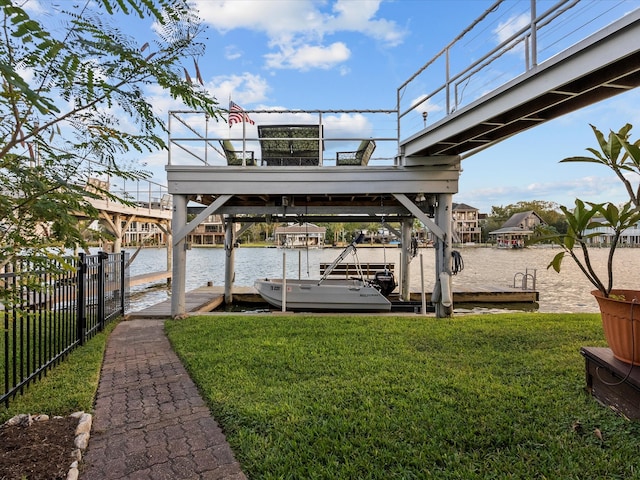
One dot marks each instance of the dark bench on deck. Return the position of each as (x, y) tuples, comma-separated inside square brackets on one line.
[(347, 270), (284, 145)]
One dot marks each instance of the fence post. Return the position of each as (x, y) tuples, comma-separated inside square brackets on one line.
[(123, 263), (81, 310), (102, 257)]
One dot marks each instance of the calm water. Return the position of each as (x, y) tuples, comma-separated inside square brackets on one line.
[(567, 291)]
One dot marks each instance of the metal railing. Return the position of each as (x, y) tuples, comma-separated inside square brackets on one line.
[(196, 139), (522, 279), (54, 307), (143, 193), (507, 40)]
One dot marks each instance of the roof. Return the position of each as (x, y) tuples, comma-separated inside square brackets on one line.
[(515, 224), (300, 229), (517, 218), (512, 230), (462, 206)]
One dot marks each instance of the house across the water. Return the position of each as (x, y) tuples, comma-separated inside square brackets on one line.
[(300, 235), (517, 230)]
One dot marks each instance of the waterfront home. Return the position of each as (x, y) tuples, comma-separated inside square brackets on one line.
[(517, 230), (144, 233), (300, 235), (629, 237), (466, 226), (209, 232)]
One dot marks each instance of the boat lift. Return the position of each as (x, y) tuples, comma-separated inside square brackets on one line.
[(351, 248), (383, 281)]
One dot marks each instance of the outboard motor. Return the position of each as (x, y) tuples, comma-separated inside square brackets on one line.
[(385, 282)]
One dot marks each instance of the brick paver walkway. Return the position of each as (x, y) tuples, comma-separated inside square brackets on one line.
[(150, 421)]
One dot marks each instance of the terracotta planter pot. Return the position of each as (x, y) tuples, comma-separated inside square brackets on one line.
[(621, 323)]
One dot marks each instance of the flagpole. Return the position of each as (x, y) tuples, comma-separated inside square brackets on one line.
[(229, 116), (244, 141)]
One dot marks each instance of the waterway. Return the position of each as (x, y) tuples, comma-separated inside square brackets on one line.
[(567, 291)]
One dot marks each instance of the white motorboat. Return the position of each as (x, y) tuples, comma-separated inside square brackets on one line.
[(332, 294), (347, 294)]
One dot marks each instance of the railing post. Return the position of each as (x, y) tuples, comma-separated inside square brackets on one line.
[(102, 257), (320, 139), (81, 310), (534, 34), (448, 86), (123, 263)]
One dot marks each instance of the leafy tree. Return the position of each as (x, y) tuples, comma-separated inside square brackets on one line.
[(69, 94)]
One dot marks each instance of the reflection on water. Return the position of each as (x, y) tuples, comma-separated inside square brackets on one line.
[(567, 291)]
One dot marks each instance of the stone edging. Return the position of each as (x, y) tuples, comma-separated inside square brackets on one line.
[(83, 430)]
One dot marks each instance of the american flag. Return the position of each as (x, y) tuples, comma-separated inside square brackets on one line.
[(237, 114)]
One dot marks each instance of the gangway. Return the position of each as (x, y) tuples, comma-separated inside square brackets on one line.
[(598, 67)]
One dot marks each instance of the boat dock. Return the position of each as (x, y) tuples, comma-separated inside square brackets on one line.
[(152, 277), (209, 298)]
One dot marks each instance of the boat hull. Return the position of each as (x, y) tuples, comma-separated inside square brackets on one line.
[(338, 295)]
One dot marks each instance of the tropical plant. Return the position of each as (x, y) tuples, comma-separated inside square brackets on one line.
[(622, 157), (618, 154), (73, 91)]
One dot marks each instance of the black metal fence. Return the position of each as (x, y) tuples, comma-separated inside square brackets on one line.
[(55, 307)]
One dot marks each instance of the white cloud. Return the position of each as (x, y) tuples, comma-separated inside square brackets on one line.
[(34, 7), (347, 125), (422, 105), (296, 30), (232, 52), (360, 17), (162, 101), (589, 188), (306, 57), (272, 17), (243, 89), (506, 29)]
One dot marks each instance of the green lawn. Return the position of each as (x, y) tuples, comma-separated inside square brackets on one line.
[(360, 397), (493, 396)]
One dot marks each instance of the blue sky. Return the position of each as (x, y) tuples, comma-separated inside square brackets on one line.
[(354, 54)]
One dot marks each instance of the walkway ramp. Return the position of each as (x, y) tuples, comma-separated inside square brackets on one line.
[(600, 66), (201, 300), (152, 277)]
